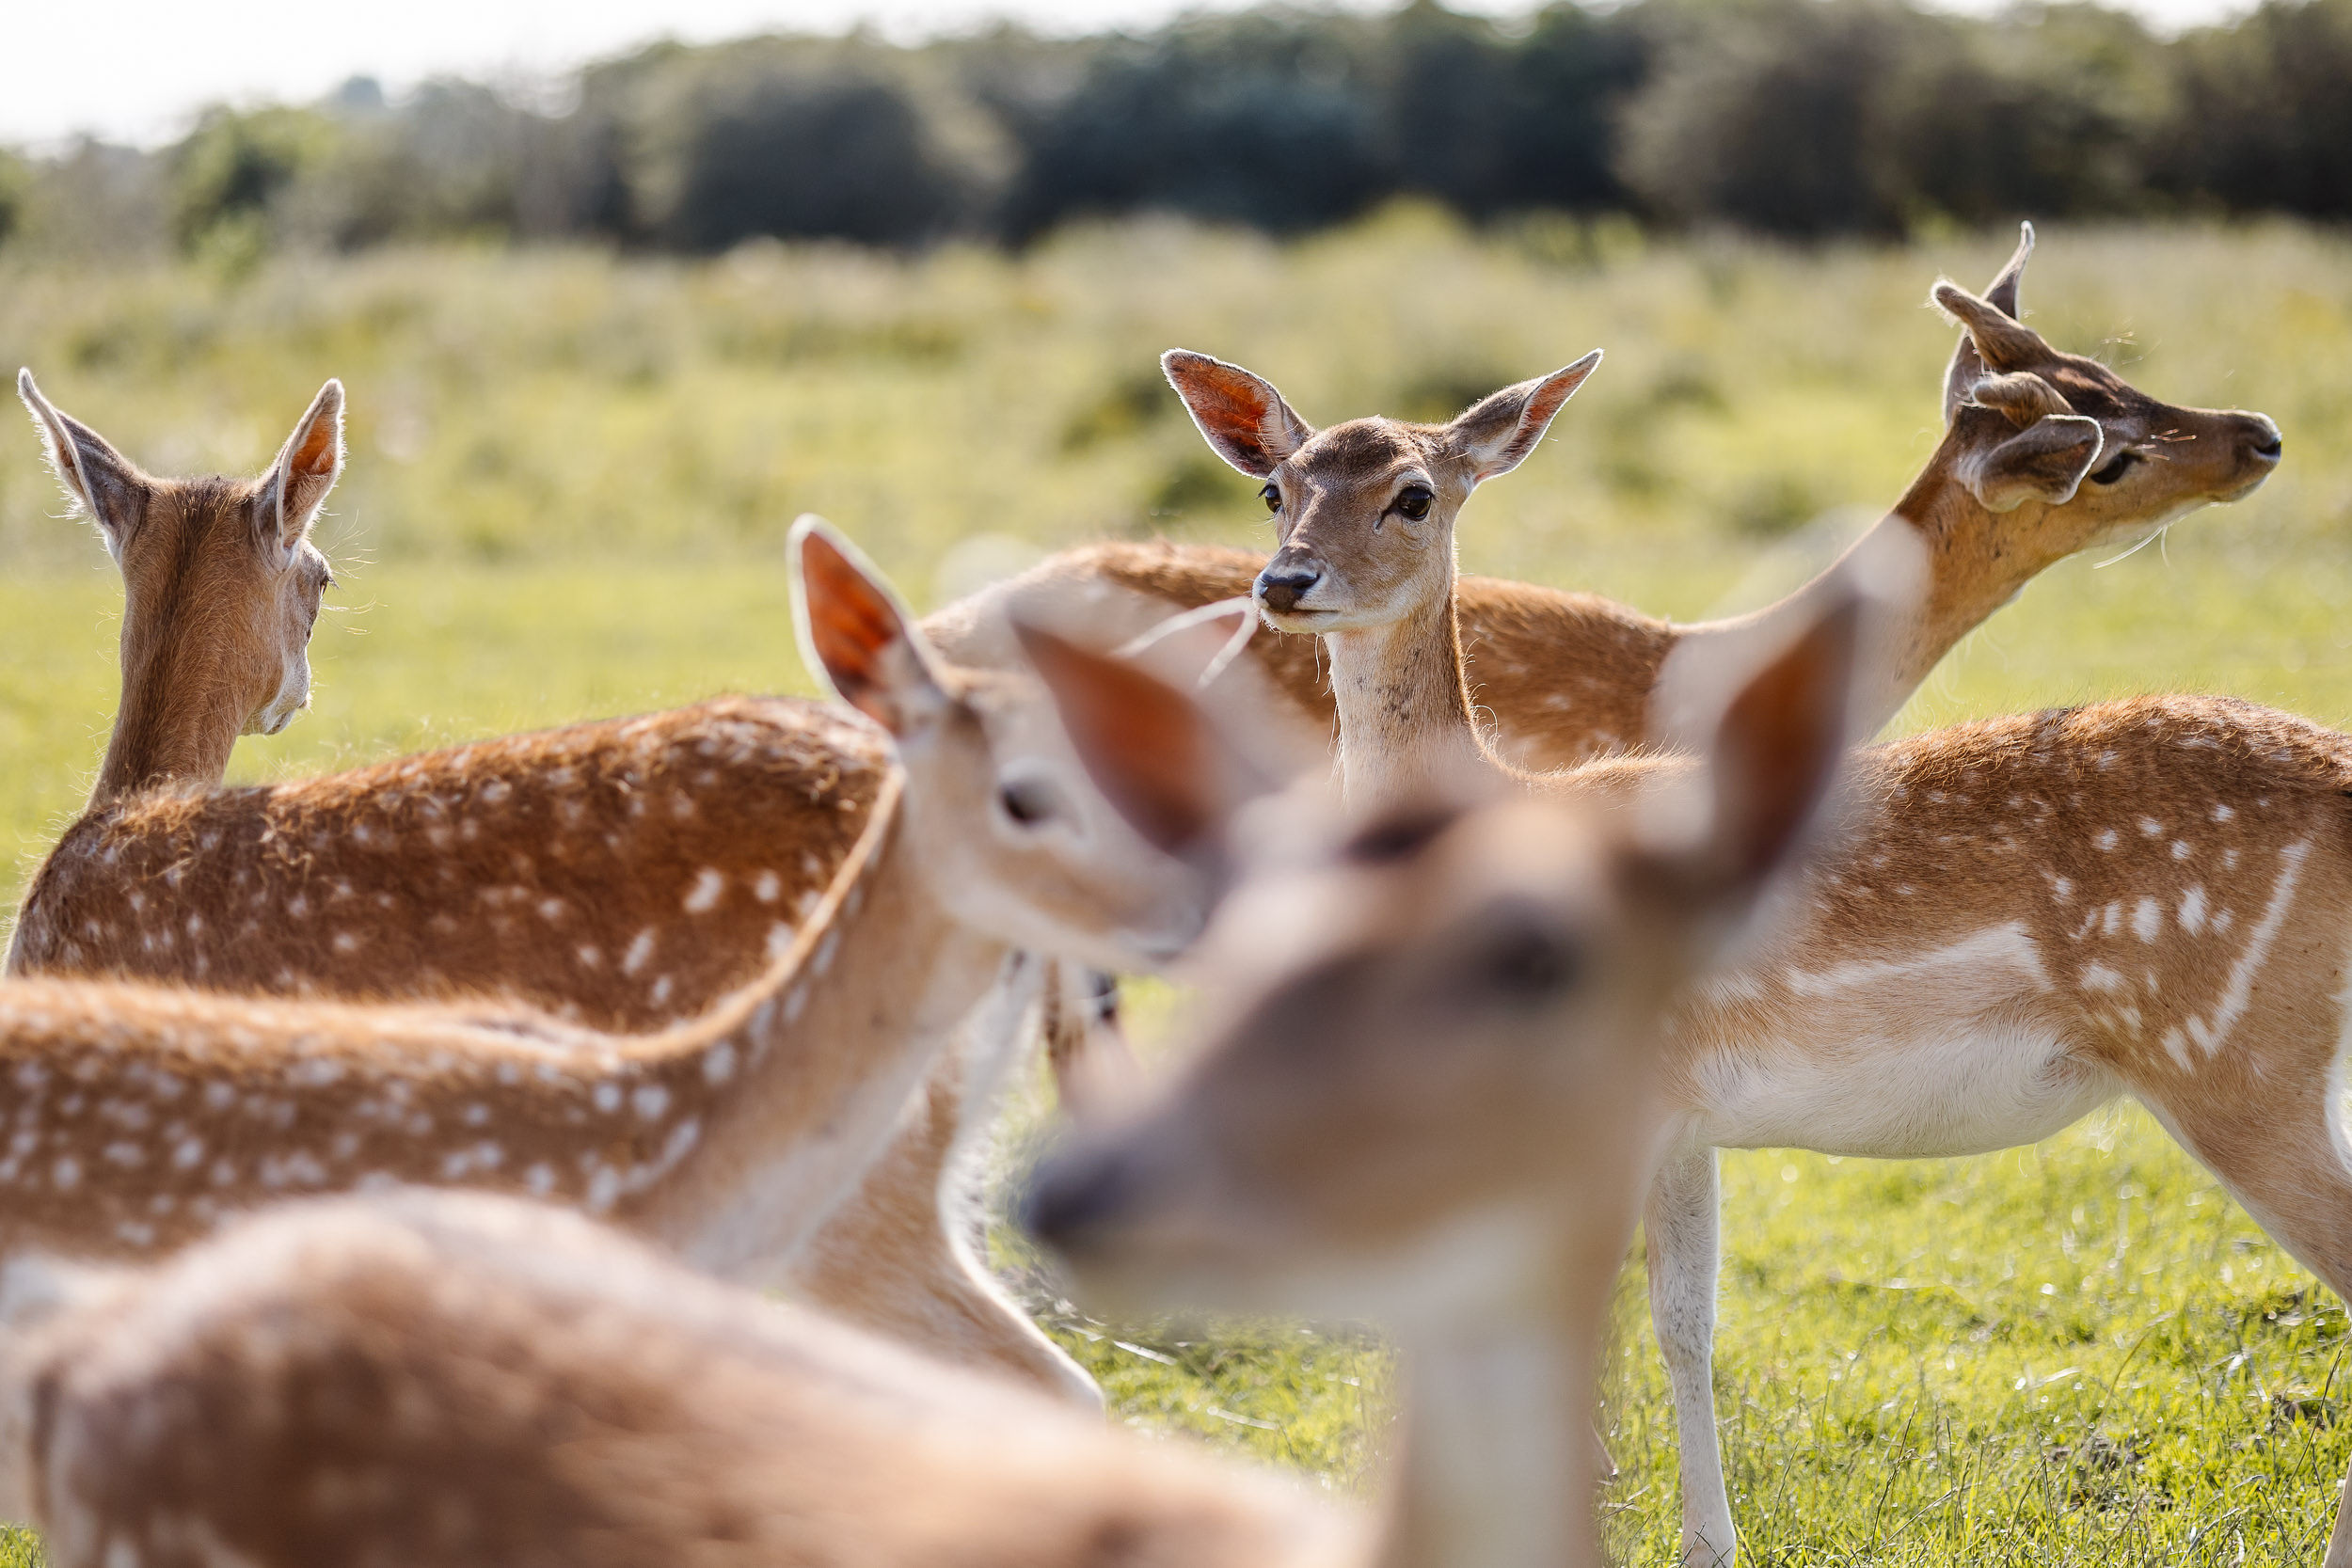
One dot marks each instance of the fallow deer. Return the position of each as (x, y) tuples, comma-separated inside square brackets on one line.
[(595, 855), (2142, 897), (2076, 458), (221, 589), (474, 1381), (2085, 460)]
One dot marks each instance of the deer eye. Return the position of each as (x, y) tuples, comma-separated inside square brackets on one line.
[(1029, 802), (2115, 468), (1272, 495), (1413, 503)]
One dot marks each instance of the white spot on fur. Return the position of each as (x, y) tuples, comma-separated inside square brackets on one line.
[(704, 896), (2150, 827), (2223, 813), (720, 1064), (661, 990), (652, 1102), (2098, 976), (66, 1173), (346, 942), (768, 888), (640, 952), (608, 1097), (2210, 1033), (2147, 919), (2193, 910), (2106, 839)]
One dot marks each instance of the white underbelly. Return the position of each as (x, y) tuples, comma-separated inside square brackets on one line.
[(1956, 1093), (1951, 1053)]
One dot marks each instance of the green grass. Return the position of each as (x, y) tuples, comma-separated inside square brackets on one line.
[(569, 484)]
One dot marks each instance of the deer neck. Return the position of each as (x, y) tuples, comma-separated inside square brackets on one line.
[(806, 1073), (1404, 708), (172, 723), (1497, 1467)]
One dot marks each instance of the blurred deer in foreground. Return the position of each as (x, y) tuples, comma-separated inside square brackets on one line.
[(732, 1137), (469, 1380), (221, 589), (2141, 898)]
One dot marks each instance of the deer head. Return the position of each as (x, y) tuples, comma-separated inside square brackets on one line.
[(1011, 831), (2064, 453), (221, 589), (1364, 511), (1433, 1038)]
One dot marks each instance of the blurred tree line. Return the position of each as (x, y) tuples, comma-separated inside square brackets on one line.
[(1800, 118)]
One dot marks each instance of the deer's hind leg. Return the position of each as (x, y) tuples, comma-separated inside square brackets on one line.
[(2271, 1131)]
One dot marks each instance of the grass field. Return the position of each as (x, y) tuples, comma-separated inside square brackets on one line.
[(569, 484)]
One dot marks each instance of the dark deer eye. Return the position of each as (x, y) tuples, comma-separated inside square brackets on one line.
[(1029, 802), (2115, 468), (1272, 495), (1413, 504)]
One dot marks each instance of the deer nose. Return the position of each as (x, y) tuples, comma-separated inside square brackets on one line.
[(1076, 1199), (2262, 437), (1282, 586)]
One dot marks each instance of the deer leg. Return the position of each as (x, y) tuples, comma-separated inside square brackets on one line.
[(2271, 1137), (1680, 1225), (894, 1257)]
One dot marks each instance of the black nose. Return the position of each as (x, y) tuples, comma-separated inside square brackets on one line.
[(2261, 438), (1076, 1198), (1281, 588)]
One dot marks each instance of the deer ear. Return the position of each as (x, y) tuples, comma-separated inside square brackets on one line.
[(853, 629), (307, 467), (1497, 432), (1242, 417), (1153, 751), (1969, 366), (96, 477), (1774, 714), (2045, 462)]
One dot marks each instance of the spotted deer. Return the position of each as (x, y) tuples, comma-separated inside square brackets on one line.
[(475, 1381), (221, 589), (472, 1380), (2044, 454), (2144, 897), (605, 869), (2057, 455)]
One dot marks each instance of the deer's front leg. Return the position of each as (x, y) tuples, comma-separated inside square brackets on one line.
[(1680, 1224)]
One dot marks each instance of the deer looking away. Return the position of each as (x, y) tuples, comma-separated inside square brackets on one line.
[(221, 589), (471, 1380), (601, 870), (2144, 897), (2043, 453)]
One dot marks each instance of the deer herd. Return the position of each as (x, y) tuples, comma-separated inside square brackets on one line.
[(549, 1151)]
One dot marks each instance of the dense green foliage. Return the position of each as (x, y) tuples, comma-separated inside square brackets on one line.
[(569, 482), (1792, 117)]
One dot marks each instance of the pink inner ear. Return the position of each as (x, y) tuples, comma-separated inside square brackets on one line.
[(849, 621), (315, 458)]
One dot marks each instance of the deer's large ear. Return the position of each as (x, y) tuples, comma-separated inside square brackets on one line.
[(1969, 366), (2045, 462), (1775, 716), (853, 629), (1242, 417), (1497, 432), (307, 467), (96, 477), (1154, 753)]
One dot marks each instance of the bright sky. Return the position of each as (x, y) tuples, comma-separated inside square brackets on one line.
[(138, 70)]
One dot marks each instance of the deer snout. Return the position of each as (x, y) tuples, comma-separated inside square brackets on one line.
[(1283, 584), (1079, 1200), (2259, 437)]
